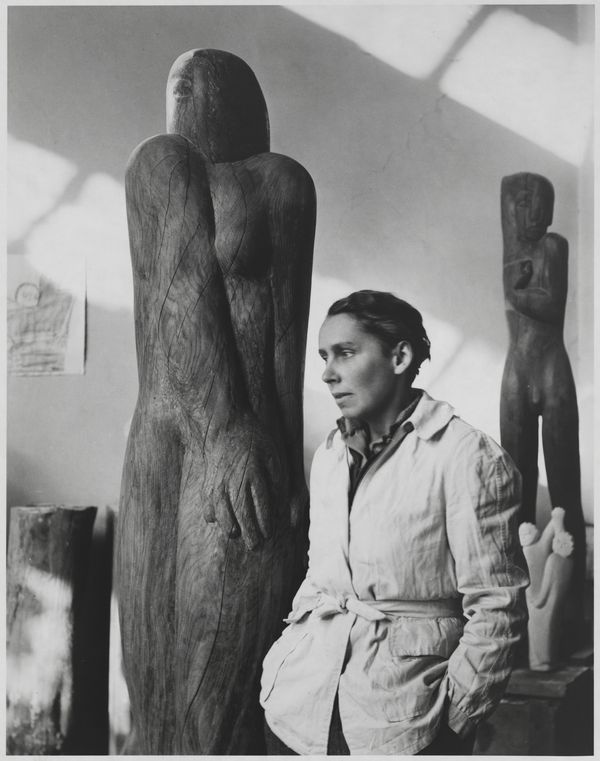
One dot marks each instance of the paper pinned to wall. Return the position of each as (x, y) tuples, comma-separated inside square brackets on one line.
[(46, 315)]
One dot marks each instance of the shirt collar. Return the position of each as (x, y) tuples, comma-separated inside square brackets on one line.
[(356, 435), (428, 418)]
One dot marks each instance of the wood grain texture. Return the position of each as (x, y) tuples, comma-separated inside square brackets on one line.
[(213, 515), (537, 380), (47, 563)]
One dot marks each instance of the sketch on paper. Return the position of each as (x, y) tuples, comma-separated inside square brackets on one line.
[(45, 316)]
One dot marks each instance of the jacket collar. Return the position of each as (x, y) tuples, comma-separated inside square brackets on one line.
[(431, 416), (428, 418), (356, 435)]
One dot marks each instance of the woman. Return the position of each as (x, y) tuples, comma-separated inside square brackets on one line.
[(401, 636)]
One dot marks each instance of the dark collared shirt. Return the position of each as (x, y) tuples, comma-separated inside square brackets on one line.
[(362, 450)]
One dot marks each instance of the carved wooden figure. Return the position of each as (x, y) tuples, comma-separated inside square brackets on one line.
[(213, 504), (537, 380)]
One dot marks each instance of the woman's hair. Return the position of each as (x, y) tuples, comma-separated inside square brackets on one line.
[(390, 320)]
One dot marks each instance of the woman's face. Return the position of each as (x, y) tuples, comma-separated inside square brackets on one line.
[(362, 378)]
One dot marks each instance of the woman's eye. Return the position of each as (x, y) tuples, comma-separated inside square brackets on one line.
[(347, 353)]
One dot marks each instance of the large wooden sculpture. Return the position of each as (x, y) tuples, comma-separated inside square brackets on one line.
[(213, 504), (537, 380)]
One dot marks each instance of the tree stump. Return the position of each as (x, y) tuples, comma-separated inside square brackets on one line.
[(47, 568)]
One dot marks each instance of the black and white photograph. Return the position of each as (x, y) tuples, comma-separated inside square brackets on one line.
[(300, 379)]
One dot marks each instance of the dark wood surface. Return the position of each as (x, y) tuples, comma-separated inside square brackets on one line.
[(542, 714), (537, 380), (548, 684), (212, 524), (47, 565)]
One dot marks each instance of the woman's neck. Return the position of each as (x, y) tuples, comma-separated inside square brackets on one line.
[(379, 427)]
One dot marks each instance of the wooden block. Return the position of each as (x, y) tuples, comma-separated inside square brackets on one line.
[(542, 713), (548, 684), (46, 572), (582, 657)]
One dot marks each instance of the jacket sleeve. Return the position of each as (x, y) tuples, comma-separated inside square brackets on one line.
[(483, 500)]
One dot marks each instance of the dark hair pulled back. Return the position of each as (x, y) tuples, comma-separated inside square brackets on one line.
[(390, 320)]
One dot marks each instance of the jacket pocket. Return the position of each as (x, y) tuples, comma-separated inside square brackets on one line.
[(397, 710), (425, 636), (419, 649), (414, 687), (274, 660)]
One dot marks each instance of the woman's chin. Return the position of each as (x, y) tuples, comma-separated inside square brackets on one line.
[(348, 410)]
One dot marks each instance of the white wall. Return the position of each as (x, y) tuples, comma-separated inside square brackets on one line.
[(406, 121)]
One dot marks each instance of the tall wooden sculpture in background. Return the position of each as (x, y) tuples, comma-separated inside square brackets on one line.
[(212, 516), (537, 380)]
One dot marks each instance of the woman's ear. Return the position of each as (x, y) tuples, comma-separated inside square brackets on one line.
[(403, 357)]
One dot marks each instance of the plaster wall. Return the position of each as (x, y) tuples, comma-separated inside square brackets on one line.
[(407, 176)]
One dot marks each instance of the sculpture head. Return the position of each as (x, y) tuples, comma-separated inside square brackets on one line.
[(528, 204), (214, 99), (528, 534)]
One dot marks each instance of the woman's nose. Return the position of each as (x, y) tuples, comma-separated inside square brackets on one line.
[(329, 374)]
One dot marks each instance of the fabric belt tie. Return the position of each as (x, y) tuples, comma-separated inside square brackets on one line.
[(325, 605)]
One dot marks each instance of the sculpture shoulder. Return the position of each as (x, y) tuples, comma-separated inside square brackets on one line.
[(284, 173), (553, 243), (158, 156), (168, 199)]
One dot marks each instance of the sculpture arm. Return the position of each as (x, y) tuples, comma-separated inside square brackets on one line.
[(518, 273), (292, 212), (536, 555), (549, 560), (181, 294), (181, 299), (482, 512), (536, 285), (555, 581)]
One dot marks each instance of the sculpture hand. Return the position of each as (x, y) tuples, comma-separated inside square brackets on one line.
[(246, 473), (526, 273)]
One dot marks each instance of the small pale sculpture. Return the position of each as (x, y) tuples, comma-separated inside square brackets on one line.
[(212, 516), (550, 562), (537, 381)]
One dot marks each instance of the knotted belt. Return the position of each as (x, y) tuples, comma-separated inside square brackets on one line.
[(325, 605)]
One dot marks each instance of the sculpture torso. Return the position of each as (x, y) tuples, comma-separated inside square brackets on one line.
[(535, 286)]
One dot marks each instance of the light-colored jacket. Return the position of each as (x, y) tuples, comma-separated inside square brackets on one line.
[(430, 542)]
